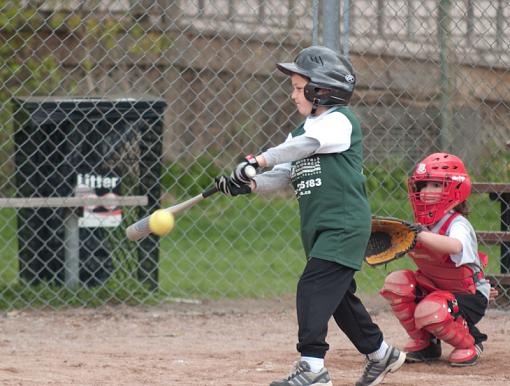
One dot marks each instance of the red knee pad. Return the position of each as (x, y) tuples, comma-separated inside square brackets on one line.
[(437, 314), (434, 309), (399, 286), (400, 290)]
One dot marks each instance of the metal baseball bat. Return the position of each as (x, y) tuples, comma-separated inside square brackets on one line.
[(140, 229)]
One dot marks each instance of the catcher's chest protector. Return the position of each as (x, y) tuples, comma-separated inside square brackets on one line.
[(441, 270)]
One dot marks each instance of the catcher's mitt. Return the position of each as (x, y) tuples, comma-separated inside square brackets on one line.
[(390, 239)]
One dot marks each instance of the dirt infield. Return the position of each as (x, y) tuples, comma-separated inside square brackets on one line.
[(214, 343)]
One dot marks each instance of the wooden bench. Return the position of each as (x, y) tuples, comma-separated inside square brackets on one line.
[(501, 193)]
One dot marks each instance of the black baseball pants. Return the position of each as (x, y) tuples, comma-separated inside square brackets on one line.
[(472, 308), (327, 289)]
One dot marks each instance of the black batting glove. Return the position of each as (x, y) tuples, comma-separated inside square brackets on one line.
[(230, 187), (239, 173)]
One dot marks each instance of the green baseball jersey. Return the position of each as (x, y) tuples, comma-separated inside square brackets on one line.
[(335, 213)]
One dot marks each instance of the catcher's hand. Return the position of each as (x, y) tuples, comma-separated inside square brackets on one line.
[(390, 239)]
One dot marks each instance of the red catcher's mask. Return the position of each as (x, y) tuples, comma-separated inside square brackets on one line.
[(447, 170)]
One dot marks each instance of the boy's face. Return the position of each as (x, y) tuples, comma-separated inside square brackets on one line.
[(303, 105)]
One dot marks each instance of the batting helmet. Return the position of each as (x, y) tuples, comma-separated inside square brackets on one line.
[(332, 78), (449, 171)]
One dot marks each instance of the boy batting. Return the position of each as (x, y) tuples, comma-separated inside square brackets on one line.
[(323, 160)]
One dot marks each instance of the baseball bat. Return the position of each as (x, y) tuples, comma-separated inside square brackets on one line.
[(140, 229)]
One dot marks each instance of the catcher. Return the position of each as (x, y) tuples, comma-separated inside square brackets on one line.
[(447, 295)]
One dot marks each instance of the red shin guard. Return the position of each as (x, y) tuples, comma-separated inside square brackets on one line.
[(434, 314), (400, 290)]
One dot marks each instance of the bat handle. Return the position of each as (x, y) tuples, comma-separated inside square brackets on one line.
[(213, 189), (209, 191)]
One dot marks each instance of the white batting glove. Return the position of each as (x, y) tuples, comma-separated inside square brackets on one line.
[(246, 170)]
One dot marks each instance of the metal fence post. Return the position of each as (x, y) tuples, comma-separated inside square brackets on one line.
[(315, 22), (345, 34), (331, 23), (445, 74)]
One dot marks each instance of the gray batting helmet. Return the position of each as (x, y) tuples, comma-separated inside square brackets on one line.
[(327, 71)]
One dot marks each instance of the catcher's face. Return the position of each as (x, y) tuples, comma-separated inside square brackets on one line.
[(431, 191)]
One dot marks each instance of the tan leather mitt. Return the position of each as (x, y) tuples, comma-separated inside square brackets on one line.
[(391, 238)]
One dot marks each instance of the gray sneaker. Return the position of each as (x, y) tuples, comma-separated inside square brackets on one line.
[(374, 371), (303, 376)]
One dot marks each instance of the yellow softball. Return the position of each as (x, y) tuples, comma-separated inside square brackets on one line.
[(161, 222)]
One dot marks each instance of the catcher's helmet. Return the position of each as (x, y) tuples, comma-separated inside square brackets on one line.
[(449, 171), (328, 72)]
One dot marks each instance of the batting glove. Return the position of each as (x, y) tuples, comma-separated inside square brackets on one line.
[(239, 174), (231, 187)]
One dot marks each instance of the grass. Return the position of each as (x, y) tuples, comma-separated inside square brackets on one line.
[(243, 247)]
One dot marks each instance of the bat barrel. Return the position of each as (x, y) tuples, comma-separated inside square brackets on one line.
[(139, 229)]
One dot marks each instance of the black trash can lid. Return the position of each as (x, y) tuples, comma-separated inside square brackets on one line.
[(55, 108), (68, 103)]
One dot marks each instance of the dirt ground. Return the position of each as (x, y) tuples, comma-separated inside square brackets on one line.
[(212, 343)]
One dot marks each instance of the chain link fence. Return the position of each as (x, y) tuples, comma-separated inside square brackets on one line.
[(134, 100)]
